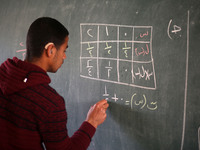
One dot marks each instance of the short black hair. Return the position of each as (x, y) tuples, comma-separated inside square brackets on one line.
[(42, 31)]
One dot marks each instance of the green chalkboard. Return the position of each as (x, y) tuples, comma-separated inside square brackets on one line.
[(142, 56)]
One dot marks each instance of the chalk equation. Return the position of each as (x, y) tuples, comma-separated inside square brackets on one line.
[(135, 101), (117, 54)]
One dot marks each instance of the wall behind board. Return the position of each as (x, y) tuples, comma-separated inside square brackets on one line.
[(140, 55)]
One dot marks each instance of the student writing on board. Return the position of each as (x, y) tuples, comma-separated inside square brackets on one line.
[(32, 112)]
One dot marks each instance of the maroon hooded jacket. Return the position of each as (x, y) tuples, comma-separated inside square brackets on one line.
[(32, 113)]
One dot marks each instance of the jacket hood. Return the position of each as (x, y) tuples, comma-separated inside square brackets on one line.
[(16, 75)]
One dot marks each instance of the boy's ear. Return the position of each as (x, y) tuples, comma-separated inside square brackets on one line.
[(50, 49)]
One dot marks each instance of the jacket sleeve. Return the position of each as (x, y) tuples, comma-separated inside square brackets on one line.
[(55, 136)]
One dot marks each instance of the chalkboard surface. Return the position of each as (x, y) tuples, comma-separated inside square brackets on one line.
[(142, 56)]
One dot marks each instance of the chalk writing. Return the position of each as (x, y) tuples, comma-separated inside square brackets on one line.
[(90, 49), (175, 29), (107, 31), (109, 69), (142, 73), (135, 101), (108, 48), (89, 67), (115, 98), (23, 51), (144, 34), (126, 51), (186, 82), (88, 32), (143, 102), (142, 51), (125, 48), (106, 93)]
